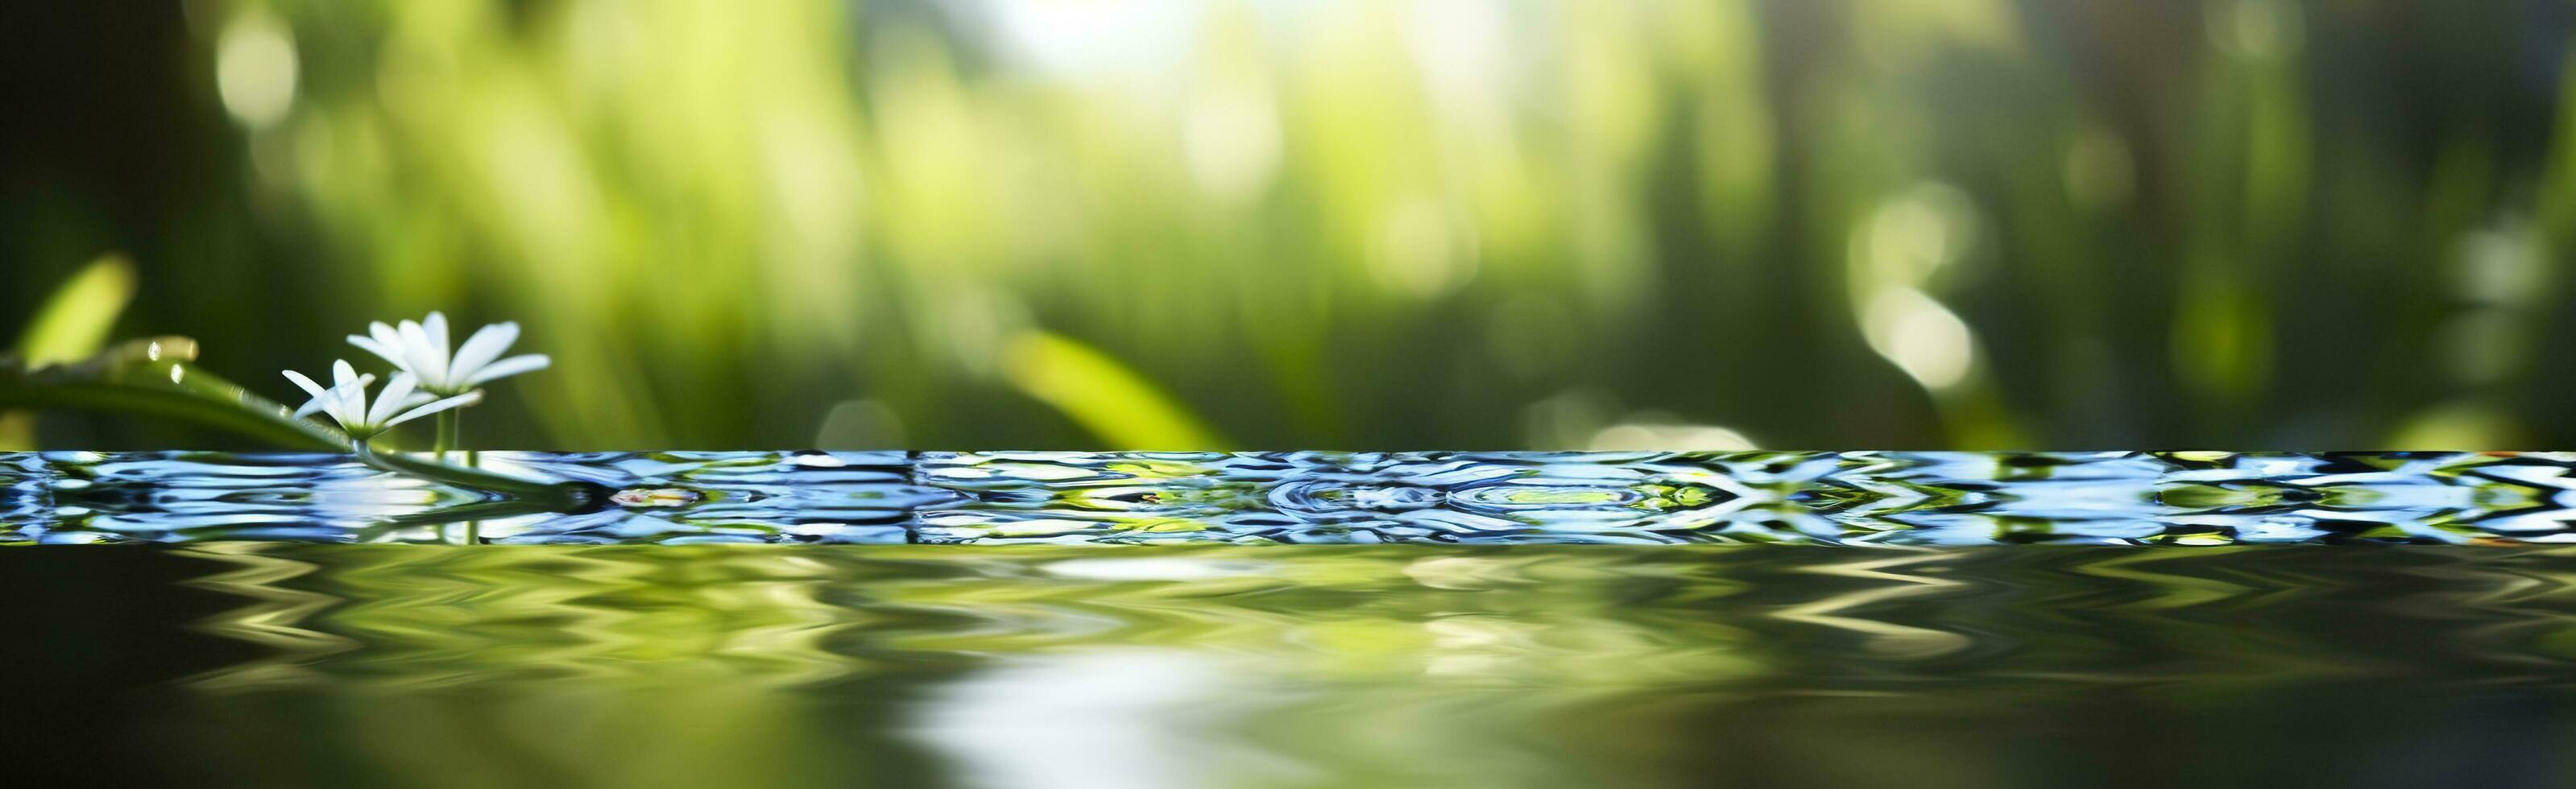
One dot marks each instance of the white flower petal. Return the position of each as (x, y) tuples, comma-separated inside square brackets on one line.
[(436, 326), (421, 348), (426, 361), (392, 398), (334, 404), (486, 345), (320, 397), (341, 373), (381, 350), (435, 406), (389, 339), (347, 403), (509, 367), (304, 383)]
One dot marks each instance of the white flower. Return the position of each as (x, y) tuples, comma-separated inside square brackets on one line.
[(346, 400), (421, 350)]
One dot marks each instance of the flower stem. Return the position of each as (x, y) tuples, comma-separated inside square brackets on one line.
[(446, 439)]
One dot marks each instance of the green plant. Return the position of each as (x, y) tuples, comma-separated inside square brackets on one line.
[(158, 377)]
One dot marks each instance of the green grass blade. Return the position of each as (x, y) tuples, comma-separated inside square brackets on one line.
[(158, 377), (70, 325), (76, 320), (1105, 396)]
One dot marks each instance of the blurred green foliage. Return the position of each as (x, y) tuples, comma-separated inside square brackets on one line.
[(1349, 224), (71, 326), (76, 320)]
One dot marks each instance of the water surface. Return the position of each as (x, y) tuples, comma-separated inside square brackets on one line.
[(280, 664), (1020, 619), (1852, 498)]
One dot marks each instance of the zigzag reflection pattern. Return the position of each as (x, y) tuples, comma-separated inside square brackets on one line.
[(1581, 623), (1857, 498)]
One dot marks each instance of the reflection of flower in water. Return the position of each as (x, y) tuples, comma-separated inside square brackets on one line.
[(1117, 719)]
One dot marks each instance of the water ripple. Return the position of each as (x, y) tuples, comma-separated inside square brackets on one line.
[(1849, 498), (1329, 665), (1764, 621)]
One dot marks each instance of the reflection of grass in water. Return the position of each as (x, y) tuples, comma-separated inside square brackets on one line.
[(1580, 616), (401, 617), (755, 661), (499, 615)]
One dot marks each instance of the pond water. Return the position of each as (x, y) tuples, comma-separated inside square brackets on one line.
[(1852, 498), (239, 645), (278, 664)]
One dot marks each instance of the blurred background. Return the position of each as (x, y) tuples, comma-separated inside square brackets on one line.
[(1337, 224)]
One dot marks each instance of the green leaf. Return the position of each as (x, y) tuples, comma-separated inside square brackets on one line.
[(70, 325), (1105, 396), (159, 377), (76, 320)]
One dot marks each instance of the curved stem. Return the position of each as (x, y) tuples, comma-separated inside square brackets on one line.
[(158, 376), (470, 514), (558, 496)]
